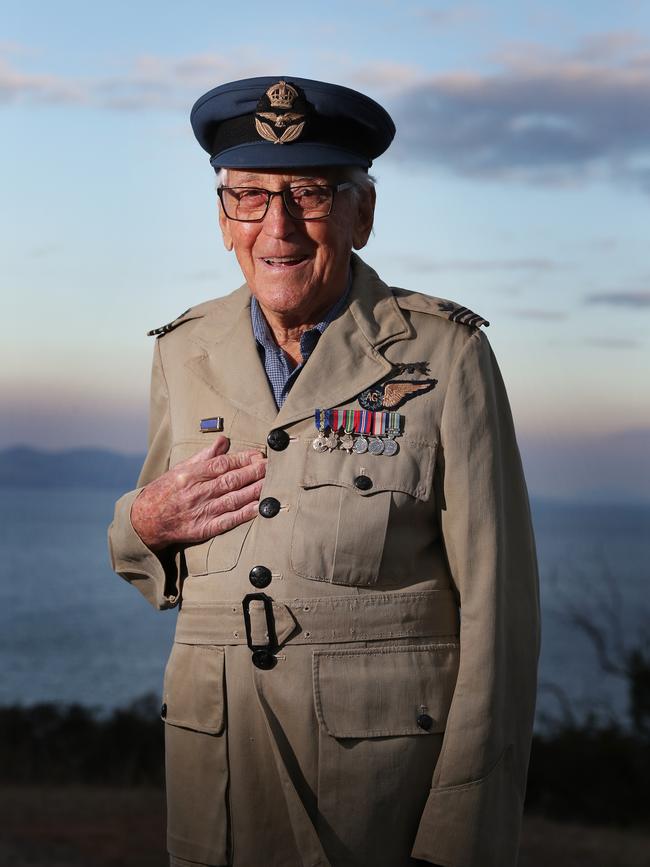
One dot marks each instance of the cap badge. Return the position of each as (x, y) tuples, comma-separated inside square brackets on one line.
[(284, 125)]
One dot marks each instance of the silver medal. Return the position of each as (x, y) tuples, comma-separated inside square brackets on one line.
[(320, 443), (375, 445), (391, 447), (360, 446)]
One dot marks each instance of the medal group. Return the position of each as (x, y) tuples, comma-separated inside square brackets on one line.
[(357, 431)]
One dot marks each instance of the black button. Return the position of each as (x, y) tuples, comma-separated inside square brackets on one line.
[(363, 483), (425, 722), (269, 507), (163, 711), (260, 576), (278, 439), (264, 659)]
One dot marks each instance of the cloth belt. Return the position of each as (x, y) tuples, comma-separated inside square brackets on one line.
[(325, 620)]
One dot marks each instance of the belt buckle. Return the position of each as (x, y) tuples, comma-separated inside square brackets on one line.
[(263, 654)]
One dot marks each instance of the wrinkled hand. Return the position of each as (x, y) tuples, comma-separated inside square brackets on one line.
[(199, 498)]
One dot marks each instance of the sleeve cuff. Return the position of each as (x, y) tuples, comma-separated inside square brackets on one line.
[(476, 824), (155, 575)]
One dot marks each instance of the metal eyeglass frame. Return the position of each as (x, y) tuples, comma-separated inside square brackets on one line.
[(335, 188)]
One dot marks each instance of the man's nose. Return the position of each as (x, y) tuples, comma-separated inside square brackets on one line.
[(278, 222)]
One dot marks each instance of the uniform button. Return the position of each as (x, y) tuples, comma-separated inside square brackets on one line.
[(269, 507), (163, 711), (363, 483), (278, 439), (264, 659), (425, 722), (260, 576)]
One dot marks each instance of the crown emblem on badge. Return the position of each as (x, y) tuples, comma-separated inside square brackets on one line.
[(287, 122), (282, 95)]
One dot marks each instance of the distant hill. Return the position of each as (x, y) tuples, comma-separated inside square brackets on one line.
[(24, 467)]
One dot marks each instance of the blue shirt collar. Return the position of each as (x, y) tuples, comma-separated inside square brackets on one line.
[(279, 371), (308, 339)]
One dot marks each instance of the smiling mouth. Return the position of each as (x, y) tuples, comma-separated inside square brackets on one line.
[(284, 261)]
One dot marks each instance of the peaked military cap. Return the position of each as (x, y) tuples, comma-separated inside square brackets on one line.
[(276, 122)]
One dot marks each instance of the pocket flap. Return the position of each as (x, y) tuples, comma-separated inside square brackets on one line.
[(409, 471), (193, 690), (379, 692)]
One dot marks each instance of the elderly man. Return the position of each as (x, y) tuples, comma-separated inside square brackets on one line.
[(334, 498)]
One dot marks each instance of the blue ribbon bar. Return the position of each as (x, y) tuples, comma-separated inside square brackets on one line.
[(211, 425)]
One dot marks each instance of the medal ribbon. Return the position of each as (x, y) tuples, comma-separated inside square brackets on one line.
[(358, 421)]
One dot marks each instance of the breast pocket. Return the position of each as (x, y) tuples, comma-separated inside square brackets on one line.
[(220, 554), (355, 512)]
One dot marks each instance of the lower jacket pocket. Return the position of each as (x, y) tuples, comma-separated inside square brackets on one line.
[(196, 754), (382, 713)]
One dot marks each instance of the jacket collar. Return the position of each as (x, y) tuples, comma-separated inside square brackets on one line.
[(228, 360)]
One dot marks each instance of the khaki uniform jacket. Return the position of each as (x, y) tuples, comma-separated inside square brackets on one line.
[(397, 721)]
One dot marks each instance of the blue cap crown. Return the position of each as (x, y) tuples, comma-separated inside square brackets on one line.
[(276, 122)]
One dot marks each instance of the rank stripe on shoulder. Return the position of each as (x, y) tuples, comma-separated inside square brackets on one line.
[(459, 313), (467, 317), (164, 329), (442, 307)]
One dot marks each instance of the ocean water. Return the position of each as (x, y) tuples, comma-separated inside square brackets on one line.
[(72, 631)]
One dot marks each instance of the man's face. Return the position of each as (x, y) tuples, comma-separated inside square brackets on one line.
[(297, 269)]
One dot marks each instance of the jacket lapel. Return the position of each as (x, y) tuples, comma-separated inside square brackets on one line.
[(228, 361)]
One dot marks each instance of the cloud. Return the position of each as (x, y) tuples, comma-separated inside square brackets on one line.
[(637, 300), (149, 82), (385, 77), (533, 114), (540, 116), (449, 14), (612, 342), (539, 315), (604, 243), (524, 264), (37, 88), (43, 251)]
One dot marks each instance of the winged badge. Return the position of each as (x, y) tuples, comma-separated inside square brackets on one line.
[(391, 395), (266, 131), (280, 120)]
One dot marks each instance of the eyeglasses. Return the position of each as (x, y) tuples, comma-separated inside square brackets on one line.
[(306, 202)]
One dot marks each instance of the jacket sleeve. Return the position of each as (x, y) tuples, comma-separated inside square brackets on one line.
[(157, 576), (472, 817)]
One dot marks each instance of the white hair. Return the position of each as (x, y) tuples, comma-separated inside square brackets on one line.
[(362, 180)]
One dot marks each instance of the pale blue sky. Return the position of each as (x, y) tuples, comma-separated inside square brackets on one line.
[(518, 183)]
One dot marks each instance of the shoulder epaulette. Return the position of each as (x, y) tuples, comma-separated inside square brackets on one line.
[(458, 313), (421, 303), (165, 329)]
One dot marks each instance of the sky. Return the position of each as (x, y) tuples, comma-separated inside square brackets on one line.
[(518, 184)]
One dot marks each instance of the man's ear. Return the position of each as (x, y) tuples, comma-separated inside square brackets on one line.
[(365, 218), (224, 224)]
